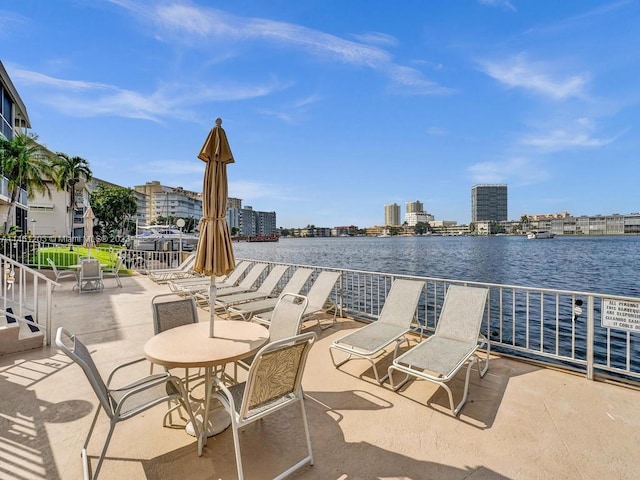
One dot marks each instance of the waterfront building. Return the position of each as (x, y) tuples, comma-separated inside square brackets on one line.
[(342, 231), (13, 117), (413, 218), (415, 207), (392, 215), (164, 202), (489, 203), (614, 224)]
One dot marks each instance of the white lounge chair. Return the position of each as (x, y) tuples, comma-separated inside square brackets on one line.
[(392, 325), (265, 290), (191, 285), (318, 296), (202, 296), (295, 285), (454, 344), (185, 269)]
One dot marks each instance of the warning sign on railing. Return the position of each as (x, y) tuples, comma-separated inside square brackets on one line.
[(621, 314)]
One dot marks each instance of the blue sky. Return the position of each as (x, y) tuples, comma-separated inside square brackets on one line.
[(334, 109)]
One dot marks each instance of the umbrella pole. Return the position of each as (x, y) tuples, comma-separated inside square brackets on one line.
[(212, 304)]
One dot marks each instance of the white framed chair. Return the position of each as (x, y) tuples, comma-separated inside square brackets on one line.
[(274, 382), (61, 274), (114, 272), (122, 402), (454, 344), (394, 322), (90, 276)]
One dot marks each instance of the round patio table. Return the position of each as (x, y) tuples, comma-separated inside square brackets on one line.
[(189, 346)]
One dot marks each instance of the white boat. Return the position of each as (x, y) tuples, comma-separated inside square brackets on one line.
[(538, 234), (161, 238)]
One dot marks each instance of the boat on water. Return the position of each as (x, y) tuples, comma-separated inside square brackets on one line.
[(539, 234), (163, 238)]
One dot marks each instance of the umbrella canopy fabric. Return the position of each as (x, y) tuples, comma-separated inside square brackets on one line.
[(88, 228), (214, 253)]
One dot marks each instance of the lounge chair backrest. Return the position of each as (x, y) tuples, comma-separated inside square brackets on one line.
[(287, 315), (171, 310), (400, 305), (234, 276), (321, 289), (298, 280), (253, 275), (187, 263), (462, 312), (271, 282)]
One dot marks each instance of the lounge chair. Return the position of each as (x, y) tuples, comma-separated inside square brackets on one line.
[(185, 269), (392, 325), (202, 296), (318, 296), (454, 344), (265, 290), (295, 285), (274, 382), (189, 286)]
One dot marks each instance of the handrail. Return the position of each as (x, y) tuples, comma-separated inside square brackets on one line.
[(543, 325)]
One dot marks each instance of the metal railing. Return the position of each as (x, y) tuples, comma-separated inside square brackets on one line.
[(562, 328)]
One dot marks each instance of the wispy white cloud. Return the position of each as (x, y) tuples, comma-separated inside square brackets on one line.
[(183, 22), (377, 38), (250, 191), (436, 131), (515, 171), (541, 77), (90, 99), (578, 134), (498, 3)]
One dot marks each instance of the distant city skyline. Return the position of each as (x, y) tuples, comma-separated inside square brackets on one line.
[(329, 116)]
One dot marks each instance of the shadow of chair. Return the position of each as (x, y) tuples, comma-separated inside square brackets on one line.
[(274, 382), (122, 402), (453, 345)]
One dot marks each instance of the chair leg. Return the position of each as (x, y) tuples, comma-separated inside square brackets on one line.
[(112, 426), (236, 445)]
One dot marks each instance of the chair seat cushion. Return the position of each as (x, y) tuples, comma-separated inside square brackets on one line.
[(440, 356), (371, 338)]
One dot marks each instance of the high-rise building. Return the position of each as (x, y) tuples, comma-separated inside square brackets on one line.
[(489, 203), (392, 215), (415, 207)]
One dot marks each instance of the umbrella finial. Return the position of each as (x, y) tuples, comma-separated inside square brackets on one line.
[(218, 122)]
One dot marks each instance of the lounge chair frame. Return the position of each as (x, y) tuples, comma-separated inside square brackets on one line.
[(455, 344), (369, 342)]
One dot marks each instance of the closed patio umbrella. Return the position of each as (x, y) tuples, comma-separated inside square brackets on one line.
[(214, 253), (88, 227)]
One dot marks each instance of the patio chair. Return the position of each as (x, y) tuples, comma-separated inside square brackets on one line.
[(265, 289), (392, 325), (318, 296), (114, 271), (454, 344), (274, 382), (185, 269), (295, 285), (122, 402), (60, 274), (170, 311), (286, 320), (90, 277)]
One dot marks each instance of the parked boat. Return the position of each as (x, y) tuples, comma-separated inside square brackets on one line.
[(538, 234), (162, 238)]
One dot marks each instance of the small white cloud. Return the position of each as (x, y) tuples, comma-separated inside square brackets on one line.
[(579, 134), (377, 38), (539, 77), (521, 171)]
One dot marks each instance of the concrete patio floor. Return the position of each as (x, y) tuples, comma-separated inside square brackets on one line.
[(520, 421)]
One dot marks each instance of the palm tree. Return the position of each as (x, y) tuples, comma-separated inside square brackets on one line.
[(26, 165), (67, 172)]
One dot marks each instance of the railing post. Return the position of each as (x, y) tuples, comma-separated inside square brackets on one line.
[(590, 337)]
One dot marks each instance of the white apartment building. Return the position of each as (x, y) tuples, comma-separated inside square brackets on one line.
[(413, 218)]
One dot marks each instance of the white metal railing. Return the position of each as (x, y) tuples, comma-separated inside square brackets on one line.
[(27, 292), (556, 327)]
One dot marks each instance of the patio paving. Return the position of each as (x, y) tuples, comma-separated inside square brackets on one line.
[(520, 421)]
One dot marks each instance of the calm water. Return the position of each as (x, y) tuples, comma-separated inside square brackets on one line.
[(589, 264)]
